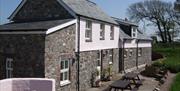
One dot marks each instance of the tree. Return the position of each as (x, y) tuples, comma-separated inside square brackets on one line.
[(160, 13)]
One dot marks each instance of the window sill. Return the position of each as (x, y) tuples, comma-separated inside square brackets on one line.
[(63, 83)]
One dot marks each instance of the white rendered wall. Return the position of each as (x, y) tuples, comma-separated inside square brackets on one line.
[(133, 44), (96, 43)]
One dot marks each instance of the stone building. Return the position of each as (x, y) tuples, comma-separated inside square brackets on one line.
[(69, 41)]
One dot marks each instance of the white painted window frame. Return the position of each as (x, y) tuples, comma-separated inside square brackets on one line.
[(125, 53), (88, 30), (130, 53), (9, 67), (134, 32), (67, 81), (112, 33), (102, 31), (139, 52)]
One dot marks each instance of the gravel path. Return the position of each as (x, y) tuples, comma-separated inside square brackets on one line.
[(166, 86)]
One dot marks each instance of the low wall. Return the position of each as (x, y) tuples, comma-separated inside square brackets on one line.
[(27, 84)]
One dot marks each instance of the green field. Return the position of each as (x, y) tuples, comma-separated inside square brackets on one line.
[(171, 52), (176, 84), (171, 61)]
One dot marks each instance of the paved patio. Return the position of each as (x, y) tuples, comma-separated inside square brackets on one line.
[(149, 84)]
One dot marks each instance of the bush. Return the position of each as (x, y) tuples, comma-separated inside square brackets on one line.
[(150, 71), (156, 56)]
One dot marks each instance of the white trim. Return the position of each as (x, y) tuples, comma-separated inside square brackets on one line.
[(18, 8), (23, 32), (20, 79), (63, 83), (54, 29)]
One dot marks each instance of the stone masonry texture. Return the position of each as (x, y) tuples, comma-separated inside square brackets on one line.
[(60, 44), (131, 61), (27, 52), (35, 10)]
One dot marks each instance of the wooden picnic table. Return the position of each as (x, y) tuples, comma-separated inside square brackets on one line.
[(133, 77), (120, 85)]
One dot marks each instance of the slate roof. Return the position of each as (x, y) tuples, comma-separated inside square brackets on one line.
[(124, 35), (121, 21), (140, 35), (40, 25), (88, 9)]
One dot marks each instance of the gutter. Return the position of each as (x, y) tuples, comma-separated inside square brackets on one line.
[(78, 55), (98, 19), (123, 55), (137, 54)]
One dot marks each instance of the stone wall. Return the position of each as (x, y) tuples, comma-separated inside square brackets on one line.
[(57, 45), (36, 10), (27, 52), (131, 61), (145, 58)]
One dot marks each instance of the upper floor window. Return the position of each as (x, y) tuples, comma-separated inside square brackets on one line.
[(64, 77), (88, 31), (102, 32), (134, 32), (112, 33), (9, 67)]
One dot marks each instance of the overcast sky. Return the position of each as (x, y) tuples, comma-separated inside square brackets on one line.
[(116, 8)]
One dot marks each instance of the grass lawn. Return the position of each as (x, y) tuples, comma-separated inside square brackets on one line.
[(172, 61), (176, 84), (172, 54)]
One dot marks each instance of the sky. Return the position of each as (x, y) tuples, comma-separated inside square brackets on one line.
[(115, 8)]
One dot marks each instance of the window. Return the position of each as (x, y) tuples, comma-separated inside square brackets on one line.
[(112, 33), (134, 32), (64, 76), (111, 56), (88, 31), (102, 32), (140, 52), (99, 55), (125, 53), (130, 52), (9, 67)]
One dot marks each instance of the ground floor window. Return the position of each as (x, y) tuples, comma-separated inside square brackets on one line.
[(125, 53), (64, 75), (139, 52), (9, 67), (111, 56)]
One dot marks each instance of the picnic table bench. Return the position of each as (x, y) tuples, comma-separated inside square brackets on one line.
[(133, 77), (120, 85)]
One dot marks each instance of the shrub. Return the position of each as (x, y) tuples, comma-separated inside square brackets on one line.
[(150, 71)]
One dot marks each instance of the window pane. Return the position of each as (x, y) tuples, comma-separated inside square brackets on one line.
[(66, 64), (61, 77), (112, 33), (62, 64), (66, 76)]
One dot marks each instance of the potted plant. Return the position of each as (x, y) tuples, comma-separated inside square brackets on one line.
[(98, 77)]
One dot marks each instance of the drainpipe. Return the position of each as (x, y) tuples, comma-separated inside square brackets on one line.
[(78, 53), (137, 56), (124, 40)]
